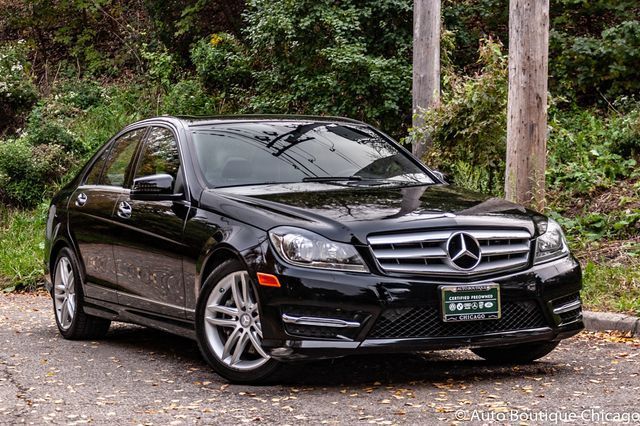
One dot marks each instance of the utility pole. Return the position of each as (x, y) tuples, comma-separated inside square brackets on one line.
[(527, 106), (426, 63)]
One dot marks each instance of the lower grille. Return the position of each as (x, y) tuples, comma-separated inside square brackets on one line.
[(570, 316), (322, 332), (567, 316), (426, 322)]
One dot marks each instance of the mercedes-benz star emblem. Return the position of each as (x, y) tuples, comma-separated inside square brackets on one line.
[(463, 251)]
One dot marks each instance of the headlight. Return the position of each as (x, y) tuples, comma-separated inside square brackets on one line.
[(305, 248), (552, 244)]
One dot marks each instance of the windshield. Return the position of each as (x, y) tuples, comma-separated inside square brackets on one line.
[(259, 153)]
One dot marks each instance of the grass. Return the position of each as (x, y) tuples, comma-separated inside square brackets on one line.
[(21, 248), (612, 288)]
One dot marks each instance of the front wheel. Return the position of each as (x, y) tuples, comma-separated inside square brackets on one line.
[(229, 329), (515, 354)]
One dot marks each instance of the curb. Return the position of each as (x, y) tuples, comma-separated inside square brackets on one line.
[(606, 321)]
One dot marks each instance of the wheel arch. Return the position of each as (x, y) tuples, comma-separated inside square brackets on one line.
[(216, 258), (57, 246)]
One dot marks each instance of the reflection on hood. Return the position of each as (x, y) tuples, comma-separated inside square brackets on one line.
[(492, 205)]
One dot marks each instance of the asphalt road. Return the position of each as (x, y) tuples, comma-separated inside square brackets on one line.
[(140, 376)]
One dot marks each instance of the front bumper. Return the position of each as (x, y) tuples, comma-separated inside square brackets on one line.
[(401, 314)]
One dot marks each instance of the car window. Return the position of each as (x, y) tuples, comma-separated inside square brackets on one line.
[(257, 153), (118, 165), (93, 176), (160, 154)]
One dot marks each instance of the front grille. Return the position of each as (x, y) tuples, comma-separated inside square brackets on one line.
[(425, 252), (426, 322)]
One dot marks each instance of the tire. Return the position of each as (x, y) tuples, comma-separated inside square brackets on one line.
[(230, 336), (68, 301), (515, 354)]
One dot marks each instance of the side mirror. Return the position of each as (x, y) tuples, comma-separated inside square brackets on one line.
[(154, 188), (443, 177)]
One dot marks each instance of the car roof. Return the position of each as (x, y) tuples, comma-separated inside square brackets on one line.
[(217, 119)]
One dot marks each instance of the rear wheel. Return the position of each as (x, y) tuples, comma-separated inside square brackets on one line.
[(516, 354), (68, 301), (229, 329)]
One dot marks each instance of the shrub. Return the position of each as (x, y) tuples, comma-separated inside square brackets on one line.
[(161, 66), (585, 150), (44, 129), (26, 171), (221, 62), (468, 129), (347, 58), (189, 97), (595, 68), (17, 91), (81, 94)]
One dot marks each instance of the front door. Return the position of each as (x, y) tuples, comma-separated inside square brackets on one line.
[(148, 244)]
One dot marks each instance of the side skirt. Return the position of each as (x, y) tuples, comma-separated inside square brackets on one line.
[(115, 312)]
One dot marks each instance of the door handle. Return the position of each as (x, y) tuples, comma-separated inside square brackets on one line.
[(82, 199), (124, 210)]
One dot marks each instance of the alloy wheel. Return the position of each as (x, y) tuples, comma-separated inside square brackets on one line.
[(232, 323), (64, 293)]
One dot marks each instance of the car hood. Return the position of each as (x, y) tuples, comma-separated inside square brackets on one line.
[(351, 212)]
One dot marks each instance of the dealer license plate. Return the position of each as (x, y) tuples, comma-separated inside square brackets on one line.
[(474, 302)]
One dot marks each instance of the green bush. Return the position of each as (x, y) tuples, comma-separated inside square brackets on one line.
[(80, 94), (27, 171), (221, 62), (468, 129), (43, 129), (189, 97), (598, 68), (349, 58), (17, 91), (161, 66), (588, 150)]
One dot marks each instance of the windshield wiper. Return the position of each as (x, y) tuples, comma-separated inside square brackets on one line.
[(331, 178)]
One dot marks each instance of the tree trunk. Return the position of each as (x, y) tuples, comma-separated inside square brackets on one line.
[(426, 63), (527, 108)]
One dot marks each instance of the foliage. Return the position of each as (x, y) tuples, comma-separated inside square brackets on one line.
[(21, 247), (189, 97), (17, 91), (468, 129), (323, 57), (45, 129), (221, 62), (161, 65), (589, 151), (26, 171), (178, 24), (594, 68), (120, 106), (593, 51), (612, 287)]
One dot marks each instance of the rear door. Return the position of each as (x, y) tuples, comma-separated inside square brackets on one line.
[(91, 209), (148, 243)]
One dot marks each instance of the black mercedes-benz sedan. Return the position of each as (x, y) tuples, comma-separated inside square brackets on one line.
[(270, 239)]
